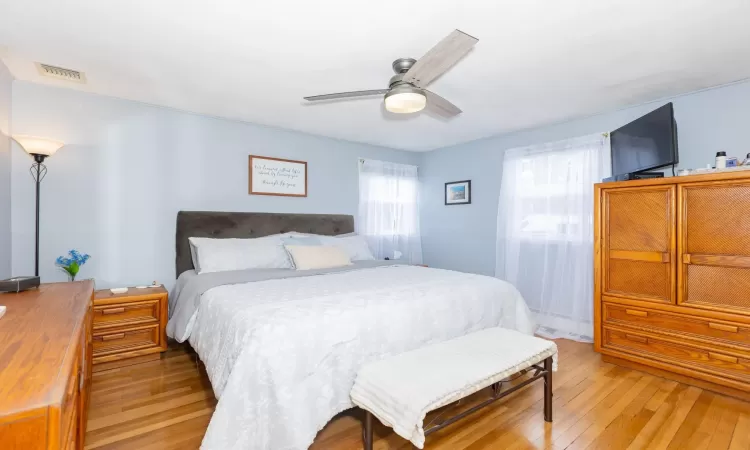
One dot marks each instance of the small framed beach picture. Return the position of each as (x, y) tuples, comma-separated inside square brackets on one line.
[(458, 193), (276, 176)]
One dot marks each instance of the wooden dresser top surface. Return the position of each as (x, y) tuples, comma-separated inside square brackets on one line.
[(38, 334), (695, 178)]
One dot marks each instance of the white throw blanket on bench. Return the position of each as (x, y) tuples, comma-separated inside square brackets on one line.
[(402, 389)]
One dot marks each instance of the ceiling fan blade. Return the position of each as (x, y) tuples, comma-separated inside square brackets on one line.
[(316, 98), (443, 106), (440, 58)]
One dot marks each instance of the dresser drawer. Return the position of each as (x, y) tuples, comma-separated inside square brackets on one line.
[(122, 314), (719, 331), (70, 441), (715, 361), (69, 405), (118, 340)]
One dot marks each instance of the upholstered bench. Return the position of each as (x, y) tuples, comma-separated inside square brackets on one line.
[(401, 390)]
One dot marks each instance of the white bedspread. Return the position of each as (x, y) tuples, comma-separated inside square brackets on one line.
[(282, 355)]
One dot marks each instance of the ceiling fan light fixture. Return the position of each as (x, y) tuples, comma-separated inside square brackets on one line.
[(405, 100), (406, 92)]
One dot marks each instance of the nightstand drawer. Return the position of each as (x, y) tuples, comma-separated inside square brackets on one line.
[(121, 314), (119, 340)]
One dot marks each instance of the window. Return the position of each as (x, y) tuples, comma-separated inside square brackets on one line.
[(550, 188), (545, 230), (389, 209)]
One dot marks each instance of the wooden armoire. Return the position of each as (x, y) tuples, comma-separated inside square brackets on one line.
[(672, 278)]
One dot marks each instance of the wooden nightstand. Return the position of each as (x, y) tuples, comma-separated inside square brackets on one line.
[(129, 328)]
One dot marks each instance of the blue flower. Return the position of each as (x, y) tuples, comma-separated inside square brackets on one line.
[(63, 261), (72, 264)]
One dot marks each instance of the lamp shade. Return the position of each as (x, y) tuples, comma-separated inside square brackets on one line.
[(38, 146), (405, 99)]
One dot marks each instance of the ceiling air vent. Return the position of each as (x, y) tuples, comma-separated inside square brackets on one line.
[(61, 73)]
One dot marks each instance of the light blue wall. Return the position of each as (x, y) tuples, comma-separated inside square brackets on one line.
[(6, 81), (114, 190), (463, 237)]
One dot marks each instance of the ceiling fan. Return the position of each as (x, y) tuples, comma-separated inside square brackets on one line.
[(406, 91)]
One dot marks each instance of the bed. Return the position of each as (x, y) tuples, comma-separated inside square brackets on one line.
[(282, 347)]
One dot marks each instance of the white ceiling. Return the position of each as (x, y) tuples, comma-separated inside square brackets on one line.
[(537, 61)]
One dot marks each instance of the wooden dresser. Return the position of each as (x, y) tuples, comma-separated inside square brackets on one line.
[(45, 367), (129, 328), (672, 278)]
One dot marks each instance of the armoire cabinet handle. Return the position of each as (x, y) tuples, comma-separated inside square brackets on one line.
[(722, 327), (635, 312), (641, 339), (720, 357)]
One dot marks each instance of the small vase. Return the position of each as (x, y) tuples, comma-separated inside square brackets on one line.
[(71, 278)]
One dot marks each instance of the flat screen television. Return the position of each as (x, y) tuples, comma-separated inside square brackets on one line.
[(645, 143)]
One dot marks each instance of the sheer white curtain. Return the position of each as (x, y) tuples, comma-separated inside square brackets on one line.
[(545, 230), (389, 210)]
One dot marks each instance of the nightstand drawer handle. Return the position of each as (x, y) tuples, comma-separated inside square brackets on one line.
[(634, 312), (720, 357), (119, 310), (112, 337), (722, 327)]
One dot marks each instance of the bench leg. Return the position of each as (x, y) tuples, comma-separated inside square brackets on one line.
[(548, 390), (367, 431)]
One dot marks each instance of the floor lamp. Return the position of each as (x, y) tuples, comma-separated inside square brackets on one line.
[(39, 149)]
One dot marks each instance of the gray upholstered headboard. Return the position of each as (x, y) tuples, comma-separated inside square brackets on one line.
[(250, 225)]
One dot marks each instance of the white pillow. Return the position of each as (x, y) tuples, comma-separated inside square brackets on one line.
[(194, 256), (354, 246), (317, 257), (219, 255)]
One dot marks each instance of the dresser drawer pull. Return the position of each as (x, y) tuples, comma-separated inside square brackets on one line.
[(722, 327), (635, 338), (720, 357), (113, 311), (634, 312), (72, 387), (112, 337)]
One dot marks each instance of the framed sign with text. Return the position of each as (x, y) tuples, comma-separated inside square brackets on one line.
[(276, 176)]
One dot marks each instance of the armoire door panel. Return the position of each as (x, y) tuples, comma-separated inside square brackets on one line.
[(633, 278), (639, 243), (714, 242), (717, 218), (716, 287), (639, 219)]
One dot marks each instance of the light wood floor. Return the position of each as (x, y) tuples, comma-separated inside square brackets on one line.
[(167, 404)]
